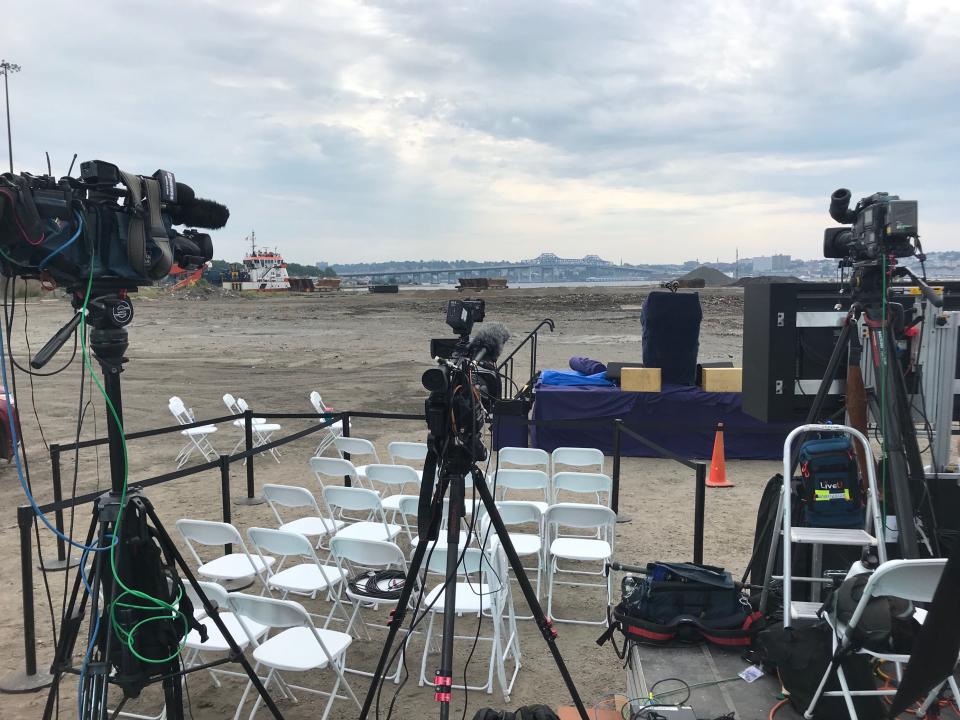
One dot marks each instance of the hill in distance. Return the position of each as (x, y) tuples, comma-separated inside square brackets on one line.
[(710, 276)]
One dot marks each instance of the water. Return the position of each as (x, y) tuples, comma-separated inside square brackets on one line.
[(556, 283)]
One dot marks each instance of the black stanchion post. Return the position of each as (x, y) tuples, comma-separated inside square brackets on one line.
[(29, 680), (61, 562), (225, 495), (615, 491), (345, 424), (698, 512), (251, 498)]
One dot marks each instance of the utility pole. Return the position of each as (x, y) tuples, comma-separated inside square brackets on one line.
[(7, 68)]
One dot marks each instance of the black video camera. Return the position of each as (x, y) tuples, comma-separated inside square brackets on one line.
[(883, 225), (112, 224)]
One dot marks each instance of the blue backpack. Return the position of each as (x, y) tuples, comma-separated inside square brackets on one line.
[(830, 487)]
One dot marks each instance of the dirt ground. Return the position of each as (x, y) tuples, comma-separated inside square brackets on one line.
[(363, 352)]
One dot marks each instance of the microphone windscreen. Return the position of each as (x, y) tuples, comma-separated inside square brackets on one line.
[(490, 338), (200, 213), (185, 194)]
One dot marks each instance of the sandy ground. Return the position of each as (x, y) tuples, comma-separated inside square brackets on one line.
[(363, 352)]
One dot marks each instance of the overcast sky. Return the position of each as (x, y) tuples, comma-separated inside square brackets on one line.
[(643, 131)]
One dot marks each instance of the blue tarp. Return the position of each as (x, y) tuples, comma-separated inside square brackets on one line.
[(571, 378)]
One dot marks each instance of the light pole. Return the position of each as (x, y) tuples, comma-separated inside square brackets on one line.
[(7, 68)]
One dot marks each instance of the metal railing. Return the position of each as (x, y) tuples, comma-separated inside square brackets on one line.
[(506, 366)]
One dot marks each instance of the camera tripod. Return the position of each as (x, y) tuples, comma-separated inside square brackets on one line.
[(108, 313), (452, 478), (891, 403)]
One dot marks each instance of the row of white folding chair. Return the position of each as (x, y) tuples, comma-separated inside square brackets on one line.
[(584, 459), (400, 452), (596, 484), (262, 430), (197, 438), (330, 432)]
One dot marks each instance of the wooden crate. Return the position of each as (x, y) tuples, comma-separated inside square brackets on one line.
[(722, 379), (640, 379)]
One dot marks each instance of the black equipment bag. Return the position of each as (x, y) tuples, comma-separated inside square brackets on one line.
[(801, 655), (671, 335), (527, 712), (832, 496), (684, 602)]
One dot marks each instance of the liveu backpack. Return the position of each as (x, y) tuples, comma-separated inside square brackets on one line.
[(830, 484)]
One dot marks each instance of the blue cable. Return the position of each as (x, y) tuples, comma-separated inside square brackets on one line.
[(16, 456), (68, 243), (83, 667)]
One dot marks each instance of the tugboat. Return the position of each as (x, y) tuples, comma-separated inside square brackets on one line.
[(263, 270)]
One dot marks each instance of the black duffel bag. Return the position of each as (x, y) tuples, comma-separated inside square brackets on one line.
[(684, 602)]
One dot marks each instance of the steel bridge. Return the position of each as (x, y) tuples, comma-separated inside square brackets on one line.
[(516, 272)]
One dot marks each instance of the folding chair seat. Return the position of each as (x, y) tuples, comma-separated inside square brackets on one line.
[(524, 479), (312, 526), (485, 589), (393, 477), (353, 499), (533, 458), (299, 647), (912, 580), (261, 431), (237, 567), (197, 438), (583, 459), (306, 576), (526, 544), (356, 447), (329, 433), (578, 549)]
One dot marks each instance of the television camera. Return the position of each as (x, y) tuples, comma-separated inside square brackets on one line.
[(108, 224)]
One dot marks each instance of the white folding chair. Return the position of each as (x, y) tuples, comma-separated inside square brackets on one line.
[(393, 477), (913, 580), (261, 431), (355, 556), (238, 568), (291, 496), (409, 507), (578, 549), (299, 647), (596, 485), (195, 650), (307, 576), (523, 479), (534, 458), (404, 453), (526, 544), (583, 459), (329, 433), (486, 588), (327, 467), (356, 447), (197, 437), (352, 499)]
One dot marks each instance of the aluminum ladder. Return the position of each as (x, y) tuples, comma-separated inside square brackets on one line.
[(871, 535)]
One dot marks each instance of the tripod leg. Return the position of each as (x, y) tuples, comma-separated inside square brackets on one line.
[(235, 650), (444, 676), (545, 625)]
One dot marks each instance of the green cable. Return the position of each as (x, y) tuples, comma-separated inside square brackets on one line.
[(885, 456), (165, 610)]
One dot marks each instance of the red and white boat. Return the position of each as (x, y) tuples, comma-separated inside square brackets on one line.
[(264, 270)]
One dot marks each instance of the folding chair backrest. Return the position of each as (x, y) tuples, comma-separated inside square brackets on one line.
[(351, 498), (529, 457), (914, 580), (269, 611), (290, 496), (317, 402), (577, 515), (231, 402), (355, 446), (179, 410), (242, 405), (590, 458), (215, 593), (208, 532), (333, 467), (578, 482), (473, 561), (392, 474), (414, 451), (280, 542), (521, 479), (367, 553)]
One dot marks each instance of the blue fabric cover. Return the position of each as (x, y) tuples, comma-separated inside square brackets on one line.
[(586, 366), (570, 378), (671, 335), (681, 418)]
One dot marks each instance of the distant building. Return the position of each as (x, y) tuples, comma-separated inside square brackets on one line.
[(321, 265)]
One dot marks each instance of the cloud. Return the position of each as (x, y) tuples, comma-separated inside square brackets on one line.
[(646, 131)]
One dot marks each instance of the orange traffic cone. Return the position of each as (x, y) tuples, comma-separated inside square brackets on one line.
[(718, 466)]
